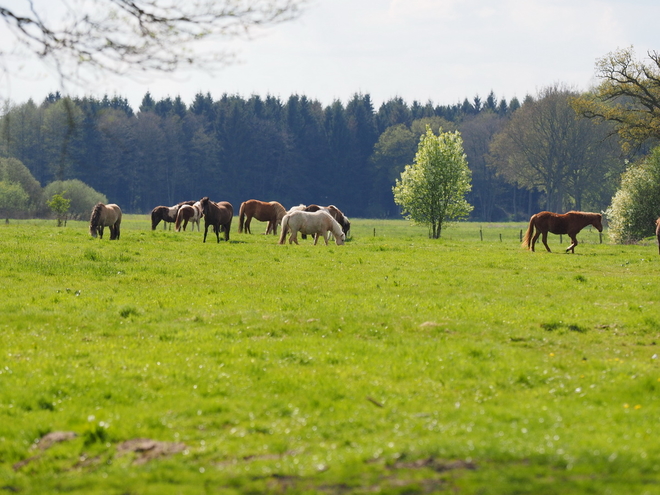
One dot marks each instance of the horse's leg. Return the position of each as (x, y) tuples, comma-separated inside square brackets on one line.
[(325, 237), (575, 243), (535, 238), (206, 230), (544, 237), (248, 220), (101, 232), (294, 237), (216, 229)]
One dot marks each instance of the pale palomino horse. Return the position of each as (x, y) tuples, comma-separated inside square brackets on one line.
[(310, 223), (187, 214), (105, 216)]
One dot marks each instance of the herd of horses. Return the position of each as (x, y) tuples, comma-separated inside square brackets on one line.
[(299, 219), (318, 221)]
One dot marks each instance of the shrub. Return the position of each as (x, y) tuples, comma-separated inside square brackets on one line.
[(636, 204), (82, 197)]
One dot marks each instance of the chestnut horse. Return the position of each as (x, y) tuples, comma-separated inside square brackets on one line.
[(568, 223), (105, 216), (657, 232), (187, 214), (317, 223), (264, 212), (166, 213), (219, 215)]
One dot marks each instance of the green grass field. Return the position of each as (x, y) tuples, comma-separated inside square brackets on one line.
[(392, 364)]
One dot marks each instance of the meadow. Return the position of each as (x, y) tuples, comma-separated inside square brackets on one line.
[(158, 364)]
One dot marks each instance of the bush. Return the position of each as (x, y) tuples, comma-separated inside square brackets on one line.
[(82, 197), (636, 204), (15, 172)]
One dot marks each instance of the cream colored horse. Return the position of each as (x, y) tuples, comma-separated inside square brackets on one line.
[(310, 223)]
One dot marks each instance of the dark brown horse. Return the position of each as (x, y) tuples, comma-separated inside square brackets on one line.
[(105, 216), (568, 223), (335, 213), (657, 232), (264, 212), (219, 215), (166, 213)]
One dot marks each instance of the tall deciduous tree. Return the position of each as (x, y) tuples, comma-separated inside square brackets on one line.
[(628, 95), (545, 146), (432, 190)]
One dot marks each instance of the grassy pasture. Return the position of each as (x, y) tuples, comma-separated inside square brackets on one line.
[(393, 364)]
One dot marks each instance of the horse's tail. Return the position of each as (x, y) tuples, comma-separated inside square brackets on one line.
[(527, 239), (241, 218), (179, 218), (285, 229)]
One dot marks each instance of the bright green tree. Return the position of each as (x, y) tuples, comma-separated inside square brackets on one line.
[(636, 205), (432, 190), (60, 206)]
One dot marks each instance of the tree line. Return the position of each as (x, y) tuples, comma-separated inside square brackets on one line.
[(522, 157), (234, 148)]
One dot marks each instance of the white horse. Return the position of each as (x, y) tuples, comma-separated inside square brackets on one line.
[(187, 214), (310, 223)]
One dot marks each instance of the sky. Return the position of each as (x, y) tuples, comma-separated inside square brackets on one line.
[(441, 51)]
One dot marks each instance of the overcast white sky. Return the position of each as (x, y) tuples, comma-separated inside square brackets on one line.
[(437, 50)]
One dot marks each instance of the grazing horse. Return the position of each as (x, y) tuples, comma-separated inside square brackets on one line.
[(264, 212), (657, 232), (217, 214), (317, 223), (187, 214), (336, 214), (167, 214), (105, 216), (568, 223)]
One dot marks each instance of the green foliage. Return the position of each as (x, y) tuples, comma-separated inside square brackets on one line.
[(13, 199), (60, 206), (14, 171), (81, 197), (433, 189), (404, 365), (636, 205)]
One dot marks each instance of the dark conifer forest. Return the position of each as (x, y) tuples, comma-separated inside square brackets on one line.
[(236, 148)]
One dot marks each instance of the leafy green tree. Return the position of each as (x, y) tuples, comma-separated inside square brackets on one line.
[(60, 206), (82, 198), (13, 199), (432, 190), (636, 205)]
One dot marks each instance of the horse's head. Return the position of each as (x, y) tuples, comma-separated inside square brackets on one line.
[(204, 204), (598, 222), (95, 219), (339, 240)]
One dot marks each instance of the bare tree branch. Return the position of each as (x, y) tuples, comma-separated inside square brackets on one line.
[(129, 36)]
